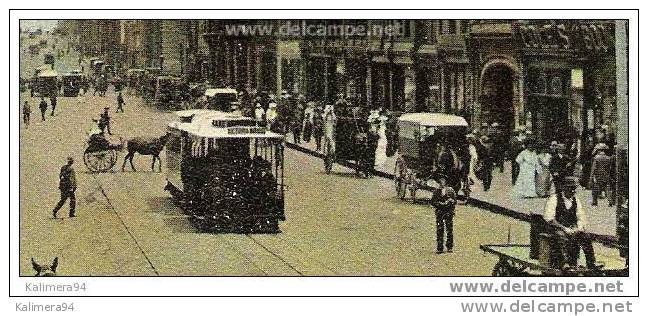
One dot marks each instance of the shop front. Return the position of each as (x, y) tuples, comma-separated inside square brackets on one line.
[(569, 77)]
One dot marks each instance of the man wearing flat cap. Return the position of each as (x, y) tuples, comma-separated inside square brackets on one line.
[(566, 219), (67, 186)]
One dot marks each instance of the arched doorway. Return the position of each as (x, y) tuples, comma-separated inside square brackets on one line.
[(497, 97)]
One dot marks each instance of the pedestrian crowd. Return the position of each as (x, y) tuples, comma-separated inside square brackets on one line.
[(538, 168)]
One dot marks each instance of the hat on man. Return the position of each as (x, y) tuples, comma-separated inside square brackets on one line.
[(553, 145), (495, 124), (70, 159)]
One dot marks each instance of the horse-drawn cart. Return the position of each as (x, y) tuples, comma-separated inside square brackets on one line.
[(347, 138), (429, 145), (515, 260), (100, 155)]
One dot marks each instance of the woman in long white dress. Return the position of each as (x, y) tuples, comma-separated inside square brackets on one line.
[(330, 121), (474, 158), (525, 186), (381, 149)]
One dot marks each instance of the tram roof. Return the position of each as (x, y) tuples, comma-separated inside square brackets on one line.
[(48, 73), (214, 91), (201, 125), (433, 119)]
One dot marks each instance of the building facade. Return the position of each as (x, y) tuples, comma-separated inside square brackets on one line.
[(552, 77), (544, 75)]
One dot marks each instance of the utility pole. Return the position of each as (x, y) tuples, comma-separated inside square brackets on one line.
[(621, 53)]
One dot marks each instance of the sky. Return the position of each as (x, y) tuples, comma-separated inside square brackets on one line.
[(38, 24)]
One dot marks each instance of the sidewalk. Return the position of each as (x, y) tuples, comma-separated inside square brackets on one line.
[(499, 199)]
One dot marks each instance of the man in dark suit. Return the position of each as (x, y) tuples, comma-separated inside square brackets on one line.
[(560, 166), (444, 201), (120, 103), (600, 175), (67, 186), (53, 101), (43, 108), (485, 153)]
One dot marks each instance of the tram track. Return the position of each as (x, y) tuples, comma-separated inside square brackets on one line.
[(123, 223), (272, 253)]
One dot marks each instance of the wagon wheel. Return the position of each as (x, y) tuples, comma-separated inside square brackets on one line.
[(328, 158), (505, 267), (502, 268), (400, 182), (100, 161)]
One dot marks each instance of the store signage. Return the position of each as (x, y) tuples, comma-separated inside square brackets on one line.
[(245, 130), (339, 43), (589, 37)]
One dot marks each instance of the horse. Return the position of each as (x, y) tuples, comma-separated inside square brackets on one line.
[(147, 147), (45, 270)]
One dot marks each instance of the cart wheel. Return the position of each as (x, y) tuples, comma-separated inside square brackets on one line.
[(502, 268), (100, 161), (399, 180)]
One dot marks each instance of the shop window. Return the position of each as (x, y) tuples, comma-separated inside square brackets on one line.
[(556, 86)]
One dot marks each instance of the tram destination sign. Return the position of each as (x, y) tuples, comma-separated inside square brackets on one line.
[(239, 130), (595, 37)]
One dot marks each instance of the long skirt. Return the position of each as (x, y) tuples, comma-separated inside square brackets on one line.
[(543, 182)]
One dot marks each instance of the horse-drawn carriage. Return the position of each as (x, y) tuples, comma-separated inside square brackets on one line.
[(46, 83), (429, 145), (100, 155), (72, 83), (226, 171), (347, 138)]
